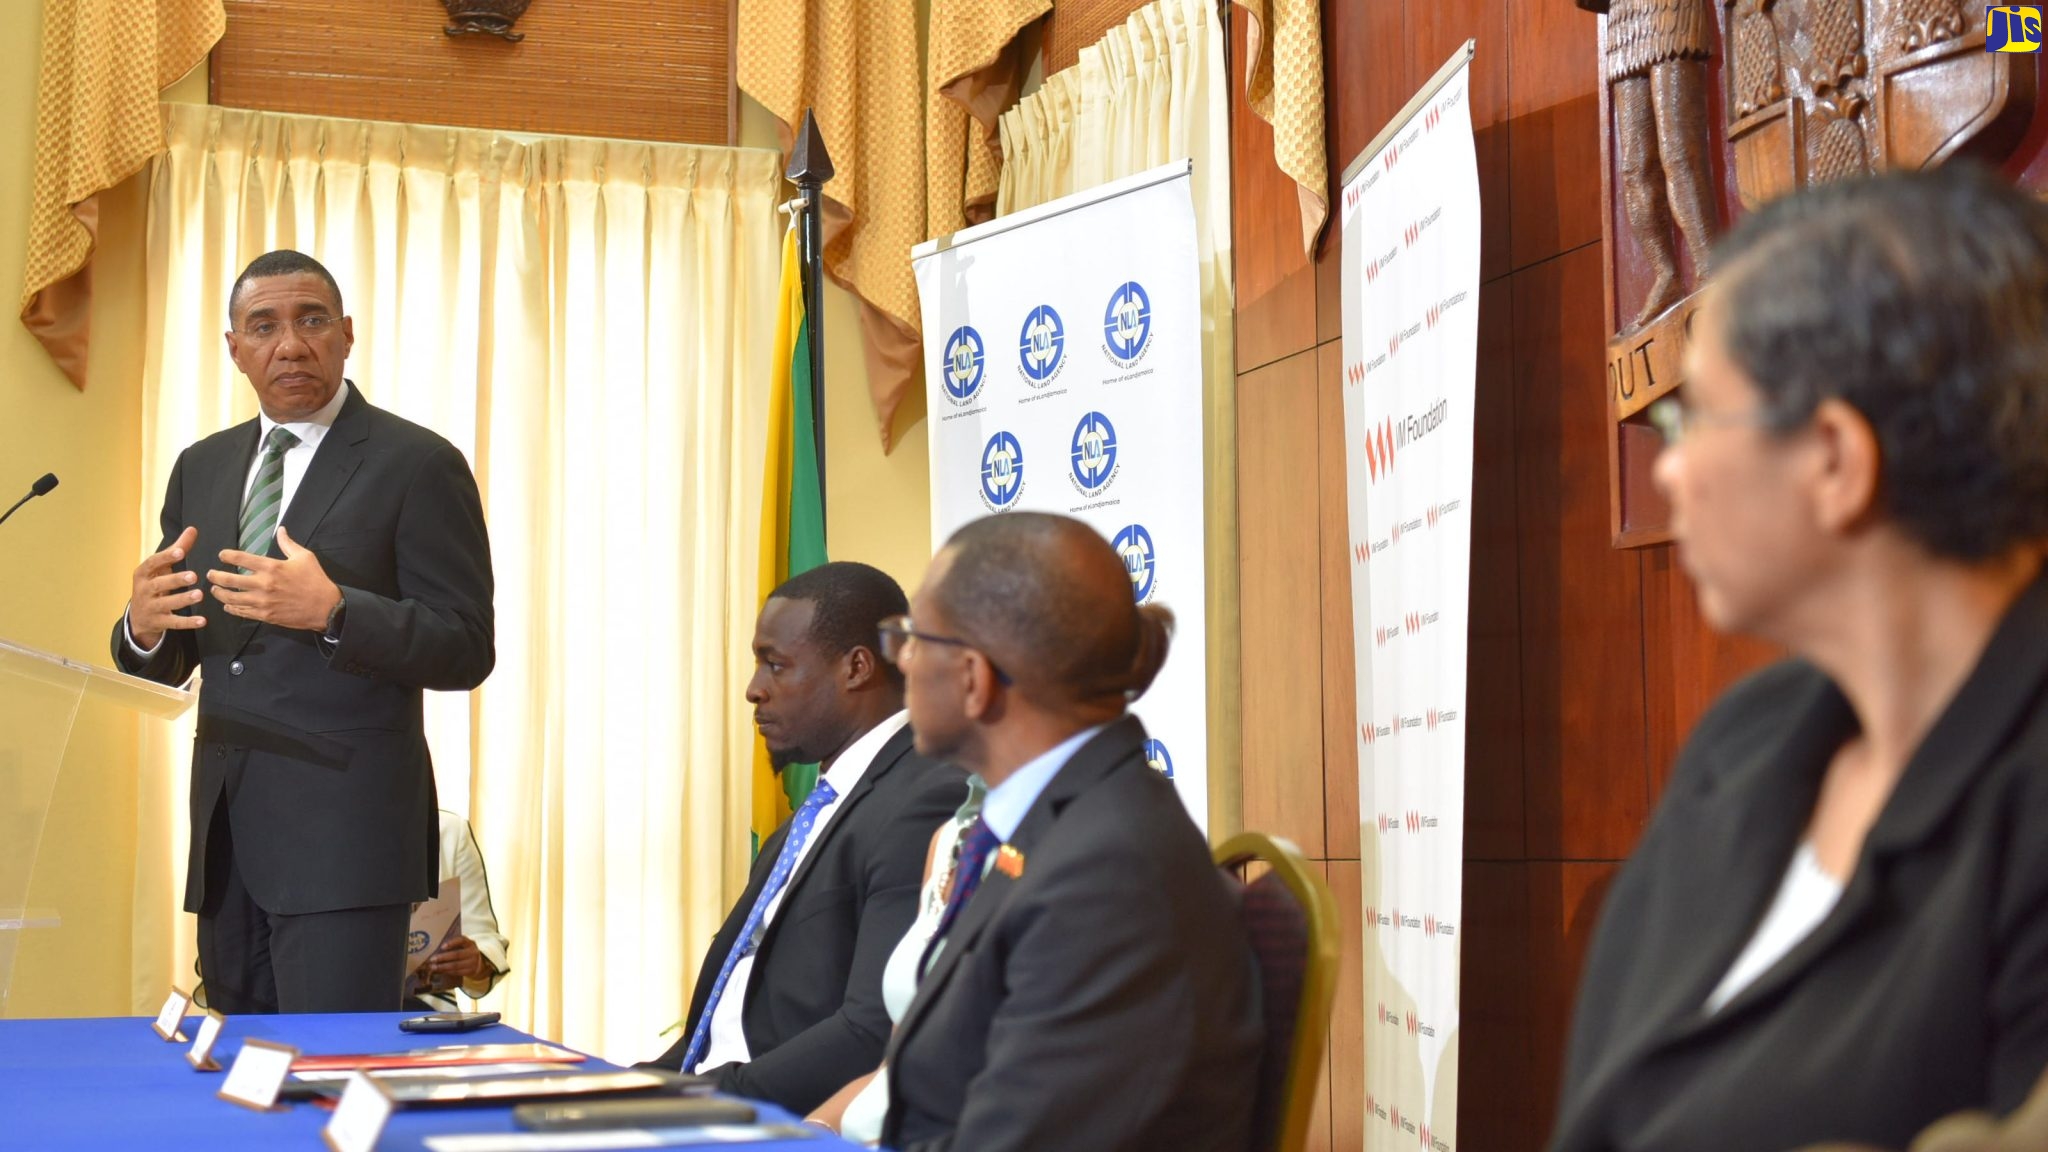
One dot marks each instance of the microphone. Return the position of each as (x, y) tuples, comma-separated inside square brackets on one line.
[(41, 487)]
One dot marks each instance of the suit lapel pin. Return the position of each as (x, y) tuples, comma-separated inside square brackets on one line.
[(1010, 862)]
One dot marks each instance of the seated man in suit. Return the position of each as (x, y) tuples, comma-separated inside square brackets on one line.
[(788, 1003), (1089, 985)]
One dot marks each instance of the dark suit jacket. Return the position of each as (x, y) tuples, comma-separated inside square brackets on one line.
[(814, 1016), (1104, 999), (322, 756), (1925, 991)]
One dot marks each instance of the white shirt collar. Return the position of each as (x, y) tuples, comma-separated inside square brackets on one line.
[(1006, 804), (845, 773), (313, 428)]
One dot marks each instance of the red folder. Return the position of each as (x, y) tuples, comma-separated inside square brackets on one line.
[(441, 1057)]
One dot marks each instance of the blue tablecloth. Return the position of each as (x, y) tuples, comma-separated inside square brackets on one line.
[(73, 1085)]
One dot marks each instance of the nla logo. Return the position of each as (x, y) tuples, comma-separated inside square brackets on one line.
[(1159, 758), (965, 358), (1002, 472), (1092, 454), (1127, 324), (1134, 544), (2012, 28), (1041, 346), (1379, 451)]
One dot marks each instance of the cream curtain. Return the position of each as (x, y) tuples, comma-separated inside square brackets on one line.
[(589, 321), (1151, 91)]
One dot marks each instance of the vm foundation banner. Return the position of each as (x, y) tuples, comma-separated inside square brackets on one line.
[(1411, 339), (1063, 373)]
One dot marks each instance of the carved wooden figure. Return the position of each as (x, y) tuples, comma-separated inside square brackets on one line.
[(1656, 63), (1808, 91)]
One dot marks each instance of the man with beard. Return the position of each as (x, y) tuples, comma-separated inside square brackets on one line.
[(788, 1004)]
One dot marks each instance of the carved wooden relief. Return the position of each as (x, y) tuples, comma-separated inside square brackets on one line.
[(1712, 107)]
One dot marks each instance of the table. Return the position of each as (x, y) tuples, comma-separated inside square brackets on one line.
[(102, 1084)]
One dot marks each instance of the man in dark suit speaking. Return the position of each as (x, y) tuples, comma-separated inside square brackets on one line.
[(321, 565), (1089, 985), (788, 1005)]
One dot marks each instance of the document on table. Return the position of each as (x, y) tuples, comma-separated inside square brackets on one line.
[(621, 1138)]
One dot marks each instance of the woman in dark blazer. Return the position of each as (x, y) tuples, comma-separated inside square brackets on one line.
[(1836, 926)]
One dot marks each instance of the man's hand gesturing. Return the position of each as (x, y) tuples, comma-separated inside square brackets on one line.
[(158, 592), (291, 593)]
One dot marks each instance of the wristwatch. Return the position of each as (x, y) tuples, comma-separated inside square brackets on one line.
[(334, 618)]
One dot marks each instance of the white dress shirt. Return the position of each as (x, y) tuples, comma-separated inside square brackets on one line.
[(728, 1042), (310, 432), (1805, 897)]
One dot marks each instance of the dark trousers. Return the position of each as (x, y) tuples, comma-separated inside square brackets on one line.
[(254, 961)]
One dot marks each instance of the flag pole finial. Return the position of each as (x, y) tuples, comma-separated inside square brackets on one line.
[(810, 166)]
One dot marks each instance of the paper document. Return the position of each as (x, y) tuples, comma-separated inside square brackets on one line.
[(434, 923)]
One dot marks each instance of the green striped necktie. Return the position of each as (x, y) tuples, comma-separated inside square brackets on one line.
[(266, 497)]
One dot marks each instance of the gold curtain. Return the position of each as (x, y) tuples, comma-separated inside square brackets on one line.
[(103, 63), (1283, 82), (1154, 90), (589, 321), (909, 161)]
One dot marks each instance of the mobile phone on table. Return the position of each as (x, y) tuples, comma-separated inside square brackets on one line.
[(642, 1112), (448, 1022)]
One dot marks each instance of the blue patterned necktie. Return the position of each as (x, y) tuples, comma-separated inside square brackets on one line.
[(800, 827), (975, 846)]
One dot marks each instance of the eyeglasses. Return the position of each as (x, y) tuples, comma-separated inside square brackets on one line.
[(309, 327), (1674, 420), (896, 635)]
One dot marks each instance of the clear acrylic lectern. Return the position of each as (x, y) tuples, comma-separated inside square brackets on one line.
[(39, 698)]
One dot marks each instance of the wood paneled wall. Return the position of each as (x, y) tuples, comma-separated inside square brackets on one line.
[(1588, 664)]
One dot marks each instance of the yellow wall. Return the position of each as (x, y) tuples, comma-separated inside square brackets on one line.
[(877, 508), (65, 559)]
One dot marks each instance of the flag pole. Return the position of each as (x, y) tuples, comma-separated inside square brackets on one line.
[(809, 168)]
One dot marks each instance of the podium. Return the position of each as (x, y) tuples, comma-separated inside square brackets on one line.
[(39, 698)]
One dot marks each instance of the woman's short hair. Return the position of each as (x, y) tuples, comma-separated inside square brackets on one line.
[(1921, 300)]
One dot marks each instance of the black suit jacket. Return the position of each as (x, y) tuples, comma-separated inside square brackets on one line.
[(814, 1016), (322, 755), (1106, 998), (1923, 992)]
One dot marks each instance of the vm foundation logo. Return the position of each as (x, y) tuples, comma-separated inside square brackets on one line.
[(1432, 118), (1361, 552), (1390, 157), (1379, 451), (1354, 373)]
